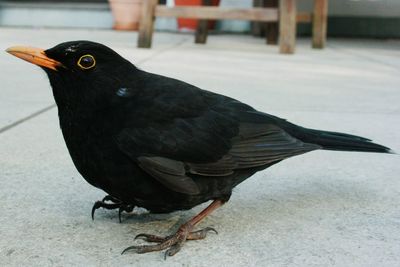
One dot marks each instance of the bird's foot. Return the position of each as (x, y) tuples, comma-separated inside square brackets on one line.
[(173, 243), (111, 203)]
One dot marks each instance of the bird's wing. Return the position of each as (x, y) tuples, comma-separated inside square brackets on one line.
[(216, 141)]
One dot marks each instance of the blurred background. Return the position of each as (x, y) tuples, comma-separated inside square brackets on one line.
[(347, 18)]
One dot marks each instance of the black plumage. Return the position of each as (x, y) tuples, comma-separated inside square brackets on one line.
[(160, 143)]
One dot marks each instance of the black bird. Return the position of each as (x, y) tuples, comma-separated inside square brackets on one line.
[(159, 143)]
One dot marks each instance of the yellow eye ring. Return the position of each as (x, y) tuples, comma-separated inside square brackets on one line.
[(86, 62)]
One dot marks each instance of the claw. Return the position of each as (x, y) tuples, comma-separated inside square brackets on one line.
[(144, 249), (115, 204), (210, 229), (172, 251), (166, 255), (129, 248), (139, 236), (119, 214), (96, 205), (201, 234), (126, 208)]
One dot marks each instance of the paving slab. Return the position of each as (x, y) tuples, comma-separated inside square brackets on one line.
[(319, 209)]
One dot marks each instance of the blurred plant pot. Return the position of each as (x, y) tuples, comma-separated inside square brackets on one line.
[(126, 14), (191, 24)]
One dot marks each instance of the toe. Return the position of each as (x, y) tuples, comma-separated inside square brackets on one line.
[(201, 234), (172, 250), (151, 238)]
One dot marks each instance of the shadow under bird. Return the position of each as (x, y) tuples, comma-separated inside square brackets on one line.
[(155, 142)]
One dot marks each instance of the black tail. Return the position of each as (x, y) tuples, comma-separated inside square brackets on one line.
[(342, 142)]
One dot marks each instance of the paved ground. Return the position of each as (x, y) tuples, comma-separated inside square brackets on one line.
[(319, 209)]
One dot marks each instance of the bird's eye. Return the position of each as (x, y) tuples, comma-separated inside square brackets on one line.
[(86, 62)]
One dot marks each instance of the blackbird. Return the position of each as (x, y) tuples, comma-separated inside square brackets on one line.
[(162, 144)]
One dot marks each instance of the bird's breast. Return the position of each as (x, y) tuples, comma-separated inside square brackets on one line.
[(87, 148)]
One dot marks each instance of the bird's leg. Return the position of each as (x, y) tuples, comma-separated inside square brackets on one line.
[(115, 204), (175, 241)]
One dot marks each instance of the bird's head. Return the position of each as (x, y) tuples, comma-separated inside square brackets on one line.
[(80, 71)]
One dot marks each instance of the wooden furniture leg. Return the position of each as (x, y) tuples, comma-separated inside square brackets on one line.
[(257, 27), (202, 27), (146, 24), (272, 27), (287, 26), (319, 23)]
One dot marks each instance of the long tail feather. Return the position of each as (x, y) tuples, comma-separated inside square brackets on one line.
[(342, 142)]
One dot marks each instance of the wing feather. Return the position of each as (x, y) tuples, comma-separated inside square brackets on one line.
[(223, 138)]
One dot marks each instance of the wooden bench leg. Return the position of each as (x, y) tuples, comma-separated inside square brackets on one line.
[(202, 27), (201, 32), (272, 33), (257, 27), (146, 24), (287, 26), (272, 27), (320, 18)]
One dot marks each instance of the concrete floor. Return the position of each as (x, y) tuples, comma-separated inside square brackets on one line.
[(319, 209)]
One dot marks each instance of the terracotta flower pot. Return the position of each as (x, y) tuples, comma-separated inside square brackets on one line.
[(191, 24), (126, 14)]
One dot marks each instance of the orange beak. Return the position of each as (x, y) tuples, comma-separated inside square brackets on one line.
[(33, 55)]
